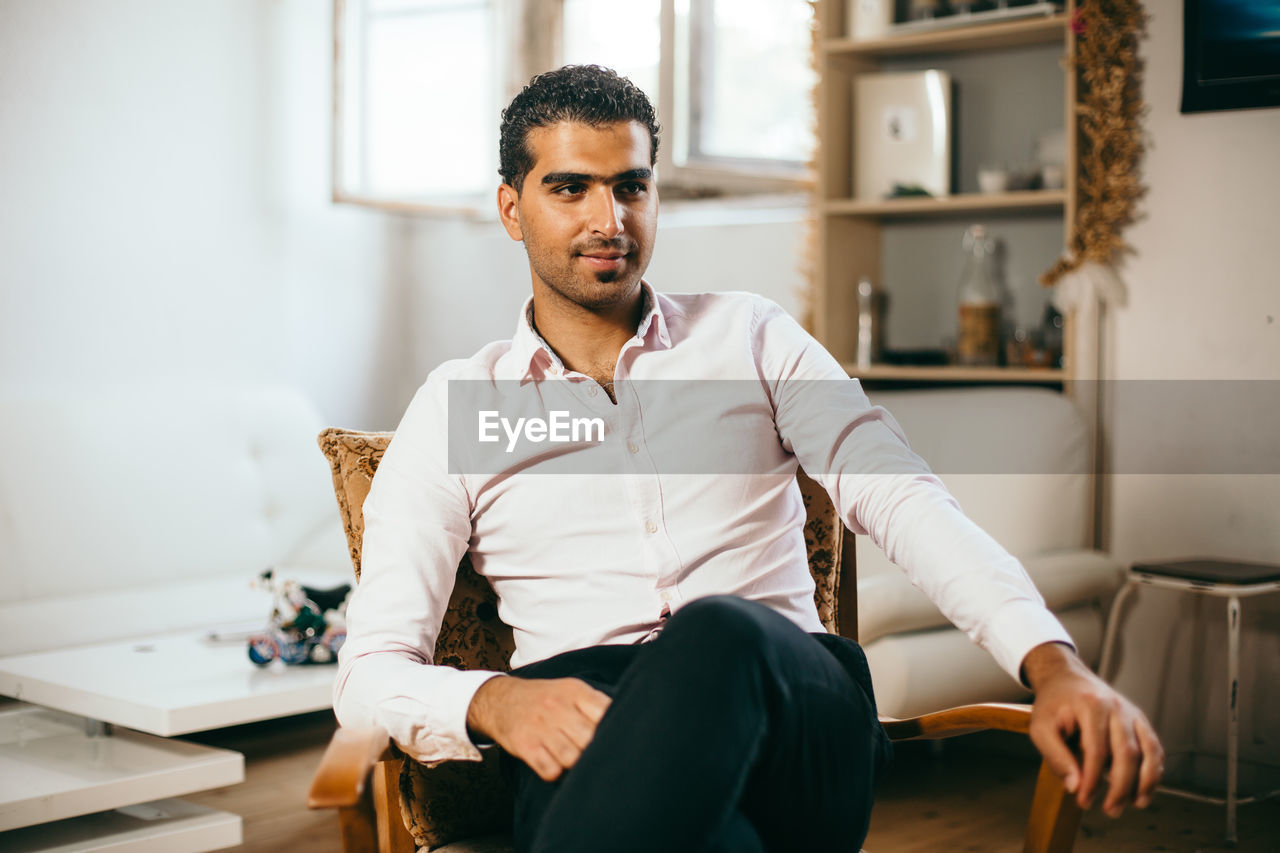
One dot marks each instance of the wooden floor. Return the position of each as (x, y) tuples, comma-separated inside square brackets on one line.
[(280, 756), (972, 795)]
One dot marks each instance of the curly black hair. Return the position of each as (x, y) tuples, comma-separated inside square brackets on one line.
[(588, 94)]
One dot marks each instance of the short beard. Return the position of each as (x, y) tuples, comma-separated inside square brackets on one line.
[(562, 281)]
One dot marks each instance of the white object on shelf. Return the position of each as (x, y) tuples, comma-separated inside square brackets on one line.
[(901, 132), (868, 19), (993, 179), (52, 768)]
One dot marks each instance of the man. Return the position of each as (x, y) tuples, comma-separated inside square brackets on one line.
[(673, 687)]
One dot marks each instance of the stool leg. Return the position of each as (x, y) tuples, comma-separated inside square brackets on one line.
[(1233, 717), (1112, 634)]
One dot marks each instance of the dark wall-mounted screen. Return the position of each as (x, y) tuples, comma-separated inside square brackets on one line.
[(1231, 54)]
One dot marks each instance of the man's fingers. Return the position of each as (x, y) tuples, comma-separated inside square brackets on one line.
[(1093, 743), (562, 749), (1053, 747), (1125, 756), (579, 729), (593, 703), (1152, 762), (542, 762)]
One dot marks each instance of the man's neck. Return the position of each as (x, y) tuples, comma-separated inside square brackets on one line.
[(587, 340)]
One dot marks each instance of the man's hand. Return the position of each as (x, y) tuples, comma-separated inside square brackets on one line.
[(1071, 700), (545, 723)]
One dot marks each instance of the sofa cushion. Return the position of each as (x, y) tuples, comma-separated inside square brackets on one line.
[(922, 671), (1016, 459), (888, 603)]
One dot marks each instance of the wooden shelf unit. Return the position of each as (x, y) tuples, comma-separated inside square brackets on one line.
[(956, 374), (952, 205), (1020, 33), (850, 240)]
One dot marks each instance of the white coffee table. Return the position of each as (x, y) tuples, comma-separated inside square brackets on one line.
[(62, 757)]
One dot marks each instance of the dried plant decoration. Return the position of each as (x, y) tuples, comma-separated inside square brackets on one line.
[(1109, 109), (809, 262)]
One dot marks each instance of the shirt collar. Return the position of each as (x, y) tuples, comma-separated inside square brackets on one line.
[(533, 358)]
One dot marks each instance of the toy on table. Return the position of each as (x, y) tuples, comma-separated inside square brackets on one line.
[(307, 625)]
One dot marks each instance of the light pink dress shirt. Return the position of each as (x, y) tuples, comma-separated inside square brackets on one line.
[(580, 559)]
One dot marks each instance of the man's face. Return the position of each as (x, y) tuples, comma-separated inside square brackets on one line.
[(587, 212)]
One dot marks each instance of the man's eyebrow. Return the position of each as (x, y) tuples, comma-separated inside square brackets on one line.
[(584, 178)]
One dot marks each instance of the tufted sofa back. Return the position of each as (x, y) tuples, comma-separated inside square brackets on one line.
[(138, 510)]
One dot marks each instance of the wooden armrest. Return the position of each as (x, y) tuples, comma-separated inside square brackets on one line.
[(961, 720), (344, 770)]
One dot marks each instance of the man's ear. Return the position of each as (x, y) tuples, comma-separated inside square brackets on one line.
[(509, 211)]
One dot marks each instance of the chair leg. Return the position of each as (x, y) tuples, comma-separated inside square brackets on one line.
[(358, 826), (393, 835), (1055, 817)]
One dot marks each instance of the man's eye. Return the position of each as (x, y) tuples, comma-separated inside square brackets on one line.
[(635, 188), (570, 189)]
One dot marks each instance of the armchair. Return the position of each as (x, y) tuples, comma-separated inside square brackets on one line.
[(388, 803)]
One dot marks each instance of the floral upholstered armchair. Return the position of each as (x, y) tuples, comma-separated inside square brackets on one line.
[(390, 803)]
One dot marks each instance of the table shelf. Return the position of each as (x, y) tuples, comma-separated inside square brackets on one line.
[(52, 768)]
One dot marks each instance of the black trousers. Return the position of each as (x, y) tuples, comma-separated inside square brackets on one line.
[(734, 731)]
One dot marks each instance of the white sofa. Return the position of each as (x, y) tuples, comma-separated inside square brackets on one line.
[(134, 511), (1018, 461)]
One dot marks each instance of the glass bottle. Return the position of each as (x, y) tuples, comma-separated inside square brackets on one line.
[(978, 334), (867, 348)]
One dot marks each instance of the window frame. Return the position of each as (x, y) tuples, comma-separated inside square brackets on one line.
[(682, 86), (529, 33)]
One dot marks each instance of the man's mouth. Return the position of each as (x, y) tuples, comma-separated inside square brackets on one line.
[(604, 260)]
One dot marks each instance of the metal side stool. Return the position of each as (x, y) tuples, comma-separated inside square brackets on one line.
[(1225, 579)]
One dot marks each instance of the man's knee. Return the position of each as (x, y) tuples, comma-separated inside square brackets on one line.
[(732, 622), (723, 633)]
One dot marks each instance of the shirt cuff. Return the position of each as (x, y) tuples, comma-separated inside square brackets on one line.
[(438, 731), (1017, 628)]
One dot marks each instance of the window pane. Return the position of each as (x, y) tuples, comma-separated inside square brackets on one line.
[(623, 36), (429, 115), (755, 100)]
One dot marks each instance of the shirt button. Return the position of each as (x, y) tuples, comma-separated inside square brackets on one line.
[(666, 596), (650, 527), (631, 445), (592, 391)]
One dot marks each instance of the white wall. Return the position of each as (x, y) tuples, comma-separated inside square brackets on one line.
[(1204, 304), (165, 207)]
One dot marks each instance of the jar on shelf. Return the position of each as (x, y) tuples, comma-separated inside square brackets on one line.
[(978, 330), (868, 343)]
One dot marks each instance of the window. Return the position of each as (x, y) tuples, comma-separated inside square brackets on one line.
[(418, 86), (416, 89), (749, 79)]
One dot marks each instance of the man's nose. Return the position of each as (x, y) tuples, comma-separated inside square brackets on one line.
[(605, 213)]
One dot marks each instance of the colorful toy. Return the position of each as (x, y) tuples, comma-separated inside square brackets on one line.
[(307, 625)]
